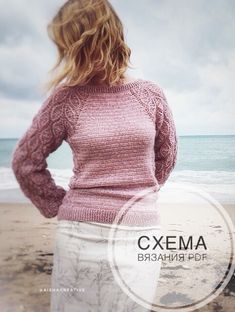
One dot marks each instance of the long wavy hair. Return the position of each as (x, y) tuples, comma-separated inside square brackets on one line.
[(89, 38)]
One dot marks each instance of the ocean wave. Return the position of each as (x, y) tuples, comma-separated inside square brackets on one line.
[(221, 184), (204, 177), (8, 180)]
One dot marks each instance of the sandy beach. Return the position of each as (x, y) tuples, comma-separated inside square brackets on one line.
[(26, 256)]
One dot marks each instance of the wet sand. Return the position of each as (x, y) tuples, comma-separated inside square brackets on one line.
[(26, 255)]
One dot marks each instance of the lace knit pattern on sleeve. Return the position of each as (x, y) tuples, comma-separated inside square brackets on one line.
[(49, 127)]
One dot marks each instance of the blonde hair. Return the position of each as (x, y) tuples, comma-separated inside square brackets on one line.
[(89, 38)]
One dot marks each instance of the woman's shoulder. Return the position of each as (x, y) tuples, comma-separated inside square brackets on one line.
[(153, 87), (67, 94), (60, 92)]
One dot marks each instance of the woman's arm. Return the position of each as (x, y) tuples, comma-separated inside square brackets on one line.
[(166, 142), (45, 135)]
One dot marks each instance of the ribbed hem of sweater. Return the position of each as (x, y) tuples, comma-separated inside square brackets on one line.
[(145, 218)]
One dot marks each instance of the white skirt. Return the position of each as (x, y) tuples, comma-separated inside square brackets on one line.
[(82, 278)]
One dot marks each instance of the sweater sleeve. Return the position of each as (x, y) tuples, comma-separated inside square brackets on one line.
[(166, 142), (45, 134)]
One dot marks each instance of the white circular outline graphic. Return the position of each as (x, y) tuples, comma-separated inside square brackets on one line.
[(230, 268)]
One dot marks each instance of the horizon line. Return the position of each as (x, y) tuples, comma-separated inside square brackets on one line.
[(182, 135)]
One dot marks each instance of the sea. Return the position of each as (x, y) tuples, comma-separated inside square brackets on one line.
[(205, 161)]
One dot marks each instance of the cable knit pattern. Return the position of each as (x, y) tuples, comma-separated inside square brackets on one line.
[(123, 140)]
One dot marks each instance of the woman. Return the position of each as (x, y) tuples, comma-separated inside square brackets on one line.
[(123, 139)]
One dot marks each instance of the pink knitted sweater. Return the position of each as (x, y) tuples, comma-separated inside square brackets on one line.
[(123, 140)]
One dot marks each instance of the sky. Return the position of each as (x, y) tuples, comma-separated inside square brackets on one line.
[(187, 47)]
